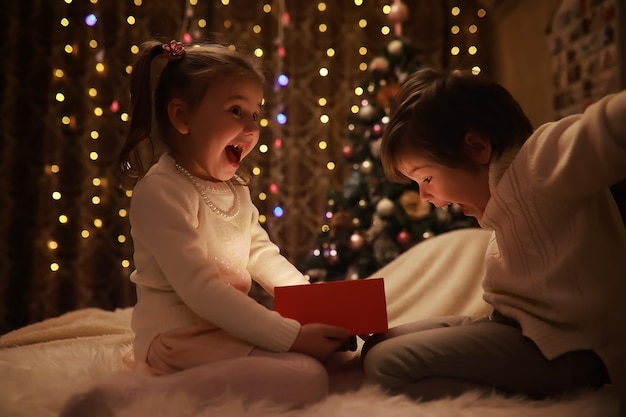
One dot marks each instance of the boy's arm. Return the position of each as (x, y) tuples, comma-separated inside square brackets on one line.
[(580, 154)]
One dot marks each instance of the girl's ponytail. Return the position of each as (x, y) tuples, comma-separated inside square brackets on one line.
[(131, 158)]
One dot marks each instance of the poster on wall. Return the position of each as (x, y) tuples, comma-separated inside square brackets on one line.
[(584, 45)]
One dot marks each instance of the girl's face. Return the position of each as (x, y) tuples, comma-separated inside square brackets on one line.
[(441, 185), (215, 137)]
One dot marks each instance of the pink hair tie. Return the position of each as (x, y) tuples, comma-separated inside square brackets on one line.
[(174, 50)]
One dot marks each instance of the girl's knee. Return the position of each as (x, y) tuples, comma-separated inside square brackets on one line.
[(312, 378), (290, 377)]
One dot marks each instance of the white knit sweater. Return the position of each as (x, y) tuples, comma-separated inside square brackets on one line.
[(193, 266), (557, 259)]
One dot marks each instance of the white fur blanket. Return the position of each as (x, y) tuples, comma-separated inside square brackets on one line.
[(44, 363)]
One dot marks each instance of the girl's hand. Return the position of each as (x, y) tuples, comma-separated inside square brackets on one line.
[(320, 340)]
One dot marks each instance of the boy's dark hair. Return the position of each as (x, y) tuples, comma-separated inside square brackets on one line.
[(189, 78), (434, 109)]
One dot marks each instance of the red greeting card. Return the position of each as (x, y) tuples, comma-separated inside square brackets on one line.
[(358, 305)]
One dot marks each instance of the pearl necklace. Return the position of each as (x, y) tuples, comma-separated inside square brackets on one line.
[(228, 215)]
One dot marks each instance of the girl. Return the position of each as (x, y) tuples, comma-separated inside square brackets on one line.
[(198, 244), (555, 265), (196, 234)]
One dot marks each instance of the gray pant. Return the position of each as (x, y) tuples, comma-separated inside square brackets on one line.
[(447, 356)]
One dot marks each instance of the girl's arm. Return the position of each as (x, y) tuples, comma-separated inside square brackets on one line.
[(267, 266)]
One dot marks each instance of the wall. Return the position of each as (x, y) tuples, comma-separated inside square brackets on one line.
[(520, 54)]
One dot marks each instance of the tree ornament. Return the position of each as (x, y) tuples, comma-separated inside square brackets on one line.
[(352, 184), (357, 241), (379, 63), (414, 206), (404, 238), (395, 47), (341, 222), (377, 227), (387, 93), (332, 255), (398, 13), (385, 208), (347, 151), (375, 147), (352, 273), (377, 130), (333, 258), (366, 166), (367, 113)]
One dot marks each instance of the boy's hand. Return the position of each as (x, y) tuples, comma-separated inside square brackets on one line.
[(320, 340)]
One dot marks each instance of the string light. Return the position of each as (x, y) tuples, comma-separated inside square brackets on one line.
[(71, 116), (464, 27)]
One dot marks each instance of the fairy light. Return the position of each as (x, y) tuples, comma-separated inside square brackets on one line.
[(274, 115), (283, 81), (324, 10), (72, 118), (464, 28)]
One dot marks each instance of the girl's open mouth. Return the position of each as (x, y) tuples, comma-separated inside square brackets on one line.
[(233, 153)]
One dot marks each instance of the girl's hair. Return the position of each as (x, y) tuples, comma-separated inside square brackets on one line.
[(189, 78), (434, 110)]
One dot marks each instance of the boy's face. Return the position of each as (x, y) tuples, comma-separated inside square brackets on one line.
[(441, 185)]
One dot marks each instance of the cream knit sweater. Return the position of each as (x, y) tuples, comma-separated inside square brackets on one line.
[(193, 266), (557, 259)]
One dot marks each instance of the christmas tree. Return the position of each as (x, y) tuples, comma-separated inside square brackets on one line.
[(370, 221)]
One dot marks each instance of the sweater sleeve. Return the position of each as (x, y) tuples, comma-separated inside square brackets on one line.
[(164, 218), (267, 265), (580, 154)]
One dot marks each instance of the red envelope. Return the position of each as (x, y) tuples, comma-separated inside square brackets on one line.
[(358, 305)]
